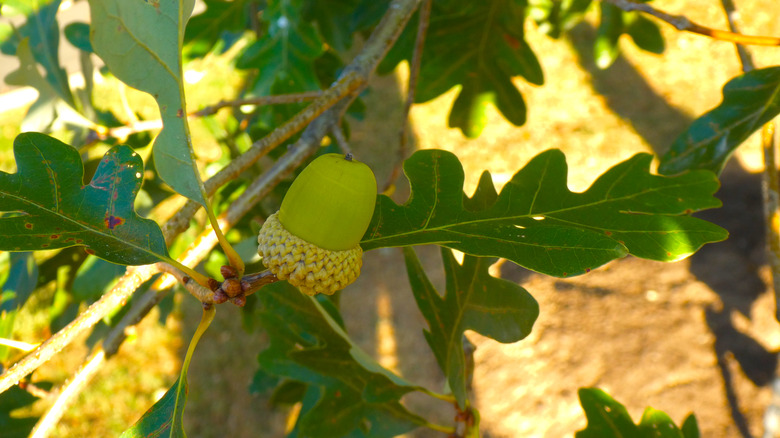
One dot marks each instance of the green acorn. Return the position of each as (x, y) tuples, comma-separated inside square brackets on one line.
[(313, 241)]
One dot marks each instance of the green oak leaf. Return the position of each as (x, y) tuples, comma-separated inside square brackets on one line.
[(474, 300), (140, 42), (51, 110), (334, 20), (166, 417), (56, 209), (749, 101), (554, 17), (309, 345), (607, 418), (480, 47), (286, 52), (43, 33), (616, 22), (207, 28), (538, 223)]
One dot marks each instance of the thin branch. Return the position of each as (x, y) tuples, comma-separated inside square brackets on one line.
[(133, 278), (341, 139), (353, 78), (307, 96), (19, 345), (411, 89), (92, 364), (744, 55), (67, 393), (681, 22), (136, 126)]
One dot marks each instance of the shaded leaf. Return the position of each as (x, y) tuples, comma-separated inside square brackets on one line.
[(58, 211), (749, 101), (77, 34), (614, 23), (20, 283), (333, 19), (553, 17), (43, 33), (538, 223), (479, 46), (165, 418), (141, 43), (286, 52), (15, 426), (206, 29), (51, 110), (474, 300), (352, 393)]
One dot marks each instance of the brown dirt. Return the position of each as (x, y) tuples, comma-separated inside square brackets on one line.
[(693, 336)]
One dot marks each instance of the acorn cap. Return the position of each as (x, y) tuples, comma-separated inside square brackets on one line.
[(310, 268)]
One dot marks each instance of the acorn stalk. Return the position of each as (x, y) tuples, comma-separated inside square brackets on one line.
[(313, 241)]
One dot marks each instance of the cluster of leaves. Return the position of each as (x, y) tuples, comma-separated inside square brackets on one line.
[(299, 45)]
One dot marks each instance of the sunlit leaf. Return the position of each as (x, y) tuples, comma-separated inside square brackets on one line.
[(749, 101), (553, 17), (616, 22), (607, 418), (57, 210), (474, 300), (141, 43), (538, 223)]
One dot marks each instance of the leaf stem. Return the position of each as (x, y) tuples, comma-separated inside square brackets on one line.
[(19, 345), (195, 275), (681, 22)]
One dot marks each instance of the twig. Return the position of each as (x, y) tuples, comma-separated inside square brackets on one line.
[(307, 96), (136, 126), (92, 364), (744, 55), (341, 139), (681, 22), (133, 278), (354, 77), (414, 72), (67, 393), (19, 345)]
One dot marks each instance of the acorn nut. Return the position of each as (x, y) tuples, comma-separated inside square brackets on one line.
[(313, 241)]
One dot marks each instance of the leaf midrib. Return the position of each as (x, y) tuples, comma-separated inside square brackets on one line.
[(515, 217)]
